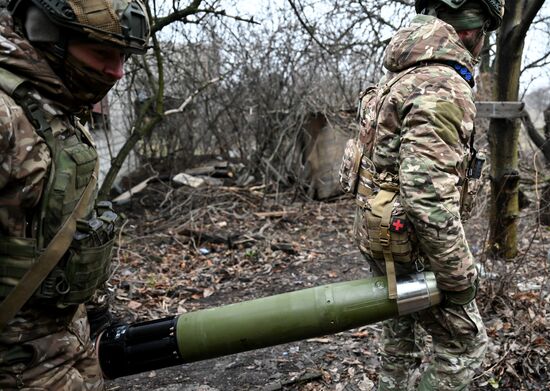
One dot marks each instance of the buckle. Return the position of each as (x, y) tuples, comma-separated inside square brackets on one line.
[(385, 236)]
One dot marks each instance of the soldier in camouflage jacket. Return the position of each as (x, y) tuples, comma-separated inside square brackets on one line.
[(422, 125), (55, 61)]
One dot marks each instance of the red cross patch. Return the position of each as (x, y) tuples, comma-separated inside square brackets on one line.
[(398, 225)]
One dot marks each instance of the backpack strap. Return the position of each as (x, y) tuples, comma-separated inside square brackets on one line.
[(385, 242)]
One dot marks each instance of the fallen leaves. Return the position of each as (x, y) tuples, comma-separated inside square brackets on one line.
[(134, 305), (220, 246)]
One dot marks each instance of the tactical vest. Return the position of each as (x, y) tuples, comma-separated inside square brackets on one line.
[(382, 230), (86, 265)]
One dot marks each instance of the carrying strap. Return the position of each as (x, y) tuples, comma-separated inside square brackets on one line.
[(385, 242), (60, 243)]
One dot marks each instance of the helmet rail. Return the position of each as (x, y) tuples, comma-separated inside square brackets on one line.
[(123, 24)]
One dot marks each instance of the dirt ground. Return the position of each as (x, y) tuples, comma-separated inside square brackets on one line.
[(184, 249)]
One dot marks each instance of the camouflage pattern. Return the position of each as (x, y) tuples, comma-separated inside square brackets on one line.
[(44, 349), (51, 353), (459, 343), (349, 167), (24, 161), (400, 355), (24, 157), (17, 55), (423, 125), (423, 128)]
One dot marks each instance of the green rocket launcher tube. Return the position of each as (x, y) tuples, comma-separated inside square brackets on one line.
[(128, 349)]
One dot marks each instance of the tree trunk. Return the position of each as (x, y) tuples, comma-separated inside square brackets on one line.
[(504, 133), (118, 161), (503, 143)]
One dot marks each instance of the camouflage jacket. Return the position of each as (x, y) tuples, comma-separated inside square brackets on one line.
[(423, 129), (25, 161)]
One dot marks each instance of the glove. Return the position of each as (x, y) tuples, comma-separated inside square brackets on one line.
[(99, 318), (460, 297)]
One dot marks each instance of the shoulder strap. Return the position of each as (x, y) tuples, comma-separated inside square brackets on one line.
[(383, 92), (385, 242), (389, 84), (385, 221)]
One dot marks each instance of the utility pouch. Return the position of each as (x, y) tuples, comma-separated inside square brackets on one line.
[(386, 234), (476, 167), (361, 147), (472, 185), (74, 167), (368, 117), (388, 227), (356, 172), (86, 265)]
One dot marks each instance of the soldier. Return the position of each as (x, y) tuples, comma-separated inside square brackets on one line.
[(57, 58), (412, 170)]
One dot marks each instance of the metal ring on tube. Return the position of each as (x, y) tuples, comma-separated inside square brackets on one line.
[(417, 292)]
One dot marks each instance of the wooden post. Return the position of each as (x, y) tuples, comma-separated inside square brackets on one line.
[(547, 125)]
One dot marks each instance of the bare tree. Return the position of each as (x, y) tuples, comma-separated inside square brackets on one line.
[(152, 73), (304, 57), (504, 133)]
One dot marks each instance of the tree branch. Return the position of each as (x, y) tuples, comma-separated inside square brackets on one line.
[(541, 61), (531, 9), (193, 9), (191, 97), (538, 139), (308, 29)]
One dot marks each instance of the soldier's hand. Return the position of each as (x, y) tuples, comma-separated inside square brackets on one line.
[(99, 319), (459, 297)]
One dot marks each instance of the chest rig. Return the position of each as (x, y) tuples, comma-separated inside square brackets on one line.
[(86, 263), (382, 230)]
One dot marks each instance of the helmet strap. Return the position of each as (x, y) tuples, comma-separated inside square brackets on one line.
[(483, 31)]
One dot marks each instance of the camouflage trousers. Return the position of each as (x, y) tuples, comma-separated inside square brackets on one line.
[(459, 343), (41, 352)]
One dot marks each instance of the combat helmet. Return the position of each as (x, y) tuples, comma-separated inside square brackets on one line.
[(119, 23), (495, 9), (52, 25)]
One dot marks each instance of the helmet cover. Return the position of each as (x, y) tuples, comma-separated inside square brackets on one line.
[(494, 8), (119, 23)]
